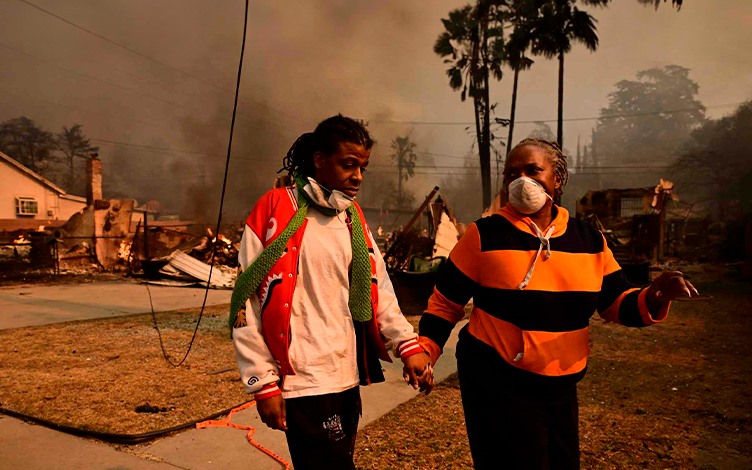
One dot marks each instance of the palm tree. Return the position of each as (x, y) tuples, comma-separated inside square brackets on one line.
[(558, 24), (515, 48), (404, 155), (478, 35), (657, 3)]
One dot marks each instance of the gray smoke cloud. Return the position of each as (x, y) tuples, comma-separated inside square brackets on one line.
[(305, 62)]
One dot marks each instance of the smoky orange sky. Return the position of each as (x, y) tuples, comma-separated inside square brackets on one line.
[(305, 61)]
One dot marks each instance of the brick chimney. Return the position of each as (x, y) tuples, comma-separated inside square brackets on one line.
[(93, 179)]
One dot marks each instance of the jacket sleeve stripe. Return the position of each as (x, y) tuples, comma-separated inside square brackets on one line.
[(466, 254), (436, 328), (267, 392), (408, 348), (455, 285), (614, 285), (619, 313), (406, 345), (442, 307)]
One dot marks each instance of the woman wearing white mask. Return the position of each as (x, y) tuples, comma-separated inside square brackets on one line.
[(536, 276), (314, 301)]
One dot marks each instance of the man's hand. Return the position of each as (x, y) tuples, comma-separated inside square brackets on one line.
[(668, 286), (418, 372), (272, 412)]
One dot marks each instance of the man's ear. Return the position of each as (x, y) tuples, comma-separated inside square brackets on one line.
[(318, 159)]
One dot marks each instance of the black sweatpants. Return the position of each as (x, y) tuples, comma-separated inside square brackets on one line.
[(508, 429), (321, 430)]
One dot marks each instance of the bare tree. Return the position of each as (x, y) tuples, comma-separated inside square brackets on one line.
[(23, 140), (72, 144)]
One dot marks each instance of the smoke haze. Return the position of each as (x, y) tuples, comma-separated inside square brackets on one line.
[(369, 60)]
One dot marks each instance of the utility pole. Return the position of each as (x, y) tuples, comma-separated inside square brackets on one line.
[(594, 157), (399, 165)]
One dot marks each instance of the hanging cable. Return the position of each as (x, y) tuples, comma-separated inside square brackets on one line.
[(219, 217)]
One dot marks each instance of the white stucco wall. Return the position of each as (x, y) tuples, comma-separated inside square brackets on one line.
[(69, 207), (15, 183)]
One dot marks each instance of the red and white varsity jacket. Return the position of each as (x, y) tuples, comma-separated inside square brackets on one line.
[(262, 345)]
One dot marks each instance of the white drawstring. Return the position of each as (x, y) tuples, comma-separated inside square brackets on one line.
[(544, 239)]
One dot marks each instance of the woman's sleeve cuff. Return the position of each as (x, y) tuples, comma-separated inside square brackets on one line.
[(430, 346), (647, 317)]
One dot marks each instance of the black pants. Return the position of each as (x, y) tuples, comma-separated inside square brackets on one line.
[(509, 430), (321, 430)]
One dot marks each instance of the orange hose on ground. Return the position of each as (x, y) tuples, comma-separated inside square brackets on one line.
[(225, 423)]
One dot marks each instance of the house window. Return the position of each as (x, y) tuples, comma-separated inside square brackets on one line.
[(631, 206), (27, 206)]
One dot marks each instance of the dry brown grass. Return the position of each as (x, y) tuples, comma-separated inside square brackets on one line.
[(630, 415), (93, 374)]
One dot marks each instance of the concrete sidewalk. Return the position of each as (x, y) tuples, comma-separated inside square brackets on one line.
[(39, 305), (31, 447)]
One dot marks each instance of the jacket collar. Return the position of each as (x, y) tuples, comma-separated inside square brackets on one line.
[(525, 224)]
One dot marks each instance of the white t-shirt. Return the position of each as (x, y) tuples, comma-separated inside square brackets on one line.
[(323, 347)]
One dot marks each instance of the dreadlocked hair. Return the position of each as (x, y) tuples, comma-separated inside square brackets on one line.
[(325, 139), (555, 155)]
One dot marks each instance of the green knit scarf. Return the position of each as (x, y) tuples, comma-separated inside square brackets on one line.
[(360, 278)]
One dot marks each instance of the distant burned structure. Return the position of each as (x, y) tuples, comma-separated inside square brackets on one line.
[(643, 225)]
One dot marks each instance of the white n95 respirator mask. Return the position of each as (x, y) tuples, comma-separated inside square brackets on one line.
[(527, 195), (339, 200)]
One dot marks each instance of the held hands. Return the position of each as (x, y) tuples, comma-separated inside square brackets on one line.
[(668, 286), (418, 372), (272, 412)]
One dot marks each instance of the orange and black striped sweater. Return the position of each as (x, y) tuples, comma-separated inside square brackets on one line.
[(541, 330)]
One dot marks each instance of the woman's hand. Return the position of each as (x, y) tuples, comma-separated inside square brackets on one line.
[(668, 286), (418, 372)]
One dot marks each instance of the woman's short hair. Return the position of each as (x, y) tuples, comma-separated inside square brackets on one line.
[(555, 155)]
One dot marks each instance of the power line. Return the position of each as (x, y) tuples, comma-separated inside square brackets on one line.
[(477, 173), (42, 61), (614, 116), (152, 148), (640, 167), (372, 165), (219, 216), (443, 155), (152, 59), (85, 109), (129, 144), (437, 123), (38, 59)]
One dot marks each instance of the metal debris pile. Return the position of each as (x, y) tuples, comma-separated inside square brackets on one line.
[(188, 263), (227, 250)]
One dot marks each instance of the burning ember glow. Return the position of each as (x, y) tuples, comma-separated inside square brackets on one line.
[(124, 251), (20, 240), (222, 238), (41, 228)]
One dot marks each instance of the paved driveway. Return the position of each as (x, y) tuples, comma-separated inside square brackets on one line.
[(40, 305)]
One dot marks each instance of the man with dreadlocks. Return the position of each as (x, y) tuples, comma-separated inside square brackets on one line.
[(314, 302), (536, 277)]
